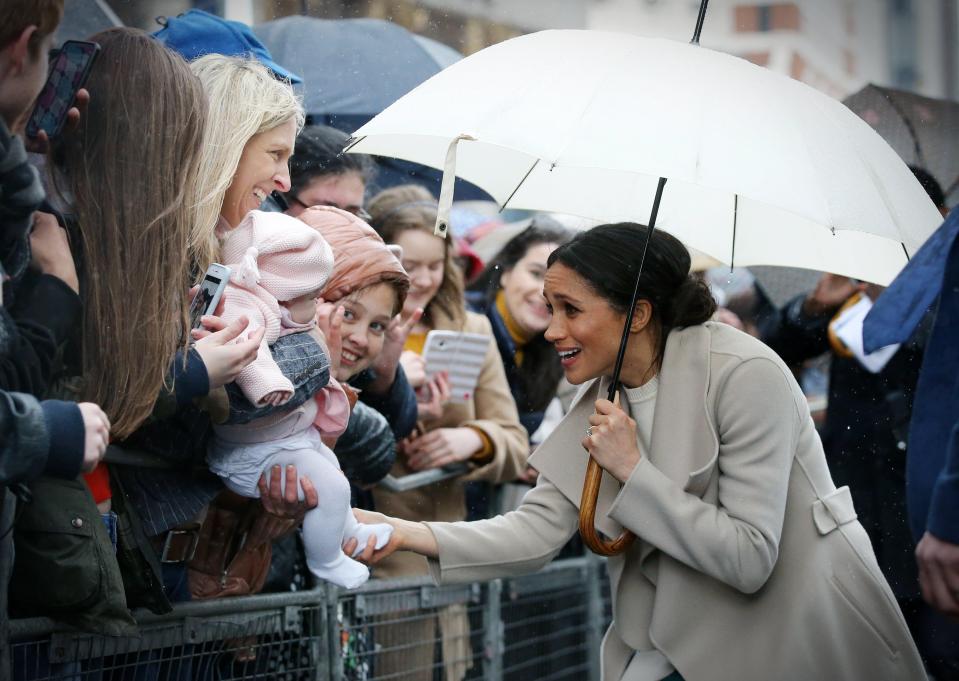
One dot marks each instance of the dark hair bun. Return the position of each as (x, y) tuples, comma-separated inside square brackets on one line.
[(692, 304)]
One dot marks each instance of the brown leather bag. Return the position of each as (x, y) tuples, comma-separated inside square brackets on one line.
[(225, 564)]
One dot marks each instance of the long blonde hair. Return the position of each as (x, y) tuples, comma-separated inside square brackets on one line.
[(410, 206), (130, 168), (244, 99)]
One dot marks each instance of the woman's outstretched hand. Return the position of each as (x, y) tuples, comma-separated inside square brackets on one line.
[(613, 440), (223, 355), (407, 536)]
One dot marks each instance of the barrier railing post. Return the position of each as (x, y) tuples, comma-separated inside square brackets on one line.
[(493, 632), (7, 511), (594, 613), (333, 667)]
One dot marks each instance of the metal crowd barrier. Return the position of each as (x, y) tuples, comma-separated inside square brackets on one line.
[(543, 627)]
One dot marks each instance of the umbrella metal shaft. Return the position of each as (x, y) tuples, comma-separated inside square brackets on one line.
[(630, 313), (594, 474), (699, 22)]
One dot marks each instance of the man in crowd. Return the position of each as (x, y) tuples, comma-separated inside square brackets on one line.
[(39, 300)]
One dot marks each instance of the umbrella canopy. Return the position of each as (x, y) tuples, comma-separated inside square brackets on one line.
[(761, 169), (923, 131), (353, 68)]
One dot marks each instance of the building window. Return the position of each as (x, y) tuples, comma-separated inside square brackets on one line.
[(764, 18), (782, 16)]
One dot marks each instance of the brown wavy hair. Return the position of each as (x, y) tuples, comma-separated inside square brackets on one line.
[(410, 206), (129, 169)]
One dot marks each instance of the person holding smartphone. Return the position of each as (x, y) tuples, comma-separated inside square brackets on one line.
[(322, 176), (40, 282), (51, 437)]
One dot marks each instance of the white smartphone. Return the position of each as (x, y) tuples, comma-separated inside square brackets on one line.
[(211, 290), (461, 355)]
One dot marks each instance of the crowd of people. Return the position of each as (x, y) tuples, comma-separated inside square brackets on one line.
[(135, 451)]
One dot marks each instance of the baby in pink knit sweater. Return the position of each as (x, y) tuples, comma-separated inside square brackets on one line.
[(279, 266)]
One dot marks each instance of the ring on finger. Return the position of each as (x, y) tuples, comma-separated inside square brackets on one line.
[(589, 431)]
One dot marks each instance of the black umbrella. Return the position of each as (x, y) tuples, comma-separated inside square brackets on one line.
[(923, 131)]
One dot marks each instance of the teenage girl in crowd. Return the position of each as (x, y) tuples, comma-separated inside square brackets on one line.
[(370, 284), (484, 432), (510, 293), (124, 178), (320, 175)]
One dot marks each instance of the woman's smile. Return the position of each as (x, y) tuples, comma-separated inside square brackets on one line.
[(567, 356)]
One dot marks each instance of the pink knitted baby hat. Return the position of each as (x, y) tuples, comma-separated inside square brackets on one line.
[(278, 252)]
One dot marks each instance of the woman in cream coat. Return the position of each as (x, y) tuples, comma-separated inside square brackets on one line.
[(749, 564)]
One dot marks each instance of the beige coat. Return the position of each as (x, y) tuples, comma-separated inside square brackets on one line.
[(750, 564), (493, 411)]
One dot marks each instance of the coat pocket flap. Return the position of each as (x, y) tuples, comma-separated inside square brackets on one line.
[(833, 510), (697, 480), (68, 508)]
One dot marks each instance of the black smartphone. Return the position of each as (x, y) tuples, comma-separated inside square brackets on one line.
[(208, 296), (274, 203), (68, 73)]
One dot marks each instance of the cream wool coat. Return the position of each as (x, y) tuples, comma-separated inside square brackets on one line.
[(749, 564)]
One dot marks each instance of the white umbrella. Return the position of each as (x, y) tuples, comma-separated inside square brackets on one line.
[(761, 169)]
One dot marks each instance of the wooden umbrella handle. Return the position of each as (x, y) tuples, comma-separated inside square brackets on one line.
[(587, 514)]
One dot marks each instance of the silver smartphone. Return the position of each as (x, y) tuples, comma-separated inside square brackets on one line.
[(208, 296)]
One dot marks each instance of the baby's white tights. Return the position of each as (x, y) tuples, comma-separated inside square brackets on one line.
[(332, 522)]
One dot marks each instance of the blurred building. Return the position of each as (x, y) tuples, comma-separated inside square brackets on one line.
[(836, 46)]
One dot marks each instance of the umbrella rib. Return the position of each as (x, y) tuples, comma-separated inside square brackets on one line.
[(699, 22), (732, 256), (621, 355), (352, 142), (905, 250), (510, 197)]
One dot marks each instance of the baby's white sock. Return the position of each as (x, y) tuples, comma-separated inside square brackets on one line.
[(342, 571), (362, 532)]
